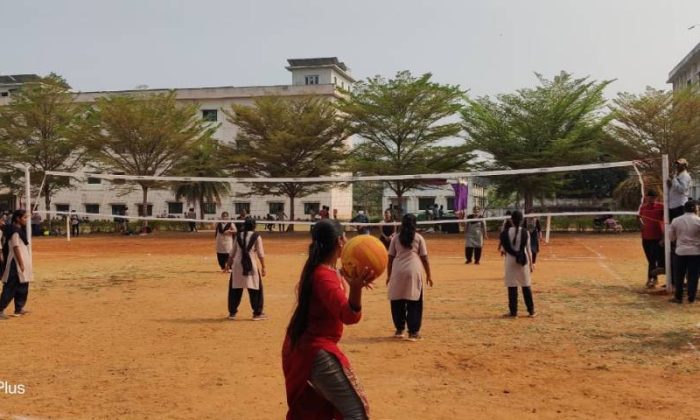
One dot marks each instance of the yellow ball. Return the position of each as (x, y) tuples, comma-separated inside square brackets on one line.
[(364, 251)]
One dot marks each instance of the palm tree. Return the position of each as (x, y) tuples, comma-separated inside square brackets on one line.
[(205, 161)]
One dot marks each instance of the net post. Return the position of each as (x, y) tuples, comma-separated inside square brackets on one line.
[(67, 228), (28, 192), (548, 229), (667, 237)]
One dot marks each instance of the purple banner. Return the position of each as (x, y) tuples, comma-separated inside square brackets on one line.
[(461, 196)]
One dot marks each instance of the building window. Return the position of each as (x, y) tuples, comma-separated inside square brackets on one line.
[(94, 181), (92, 208), (149, 209), (209, 208), (312, 208), (276, 208), (311, 79), (425, 203), (335, 80), (4, 93), (241, 207), (450, 204), (118, 181), (175, 207), (210, 115), (118, 209), (63, 207)]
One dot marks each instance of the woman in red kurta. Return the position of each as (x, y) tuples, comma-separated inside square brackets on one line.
[(320, 383)]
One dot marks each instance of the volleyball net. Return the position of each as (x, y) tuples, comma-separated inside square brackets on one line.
[(596, 191)]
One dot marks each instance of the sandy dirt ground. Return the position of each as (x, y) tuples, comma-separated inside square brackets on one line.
[(135, 327)]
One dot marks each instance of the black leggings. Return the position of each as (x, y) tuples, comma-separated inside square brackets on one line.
[(222, 258), (404, 311), (329, 380), (686, 265), (14, 290), (513, 300), (475, 252), (235, 296), (654, 254)]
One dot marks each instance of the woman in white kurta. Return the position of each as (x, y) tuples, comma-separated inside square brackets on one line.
[(248, 246), (225, 233), (408, 257), (515, 243), (18, 270)]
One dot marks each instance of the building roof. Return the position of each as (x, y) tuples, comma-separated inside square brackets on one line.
[(680, 67), (333, 62), (14, 79), (317, 62)]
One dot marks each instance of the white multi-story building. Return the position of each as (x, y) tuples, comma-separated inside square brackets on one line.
[(687, 72), (419, 200), (322, 77)]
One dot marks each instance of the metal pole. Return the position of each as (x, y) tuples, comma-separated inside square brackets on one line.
[(667, 237), (28, 206), (67, 227), (548, 230)]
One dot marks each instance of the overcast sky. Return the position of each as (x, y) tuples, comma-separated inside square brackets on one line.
[(486, 46)]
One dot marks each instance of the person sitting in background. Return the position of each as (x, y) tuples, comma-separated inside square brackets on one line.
[(685, 231), (36, 224), (613, 225), (361, 217)]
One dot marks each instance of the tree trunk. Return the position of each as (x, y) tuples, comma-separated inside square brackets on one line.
[(400, 211), (529, 201), (144, 206), (47, 204), (201, 206), (290, 228)]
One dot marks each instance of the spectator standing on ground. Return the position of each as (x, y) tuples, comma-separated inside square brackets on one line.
[(74, 224), (475, 233), (678, 193), (651, 219), (685, 230), (191, 214)]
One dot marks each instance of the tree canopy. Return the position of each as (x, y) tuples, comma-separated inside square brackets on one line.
[(559, 122), (147, 134), (288, 137), (404, 125), (41, 128), (204, 160)]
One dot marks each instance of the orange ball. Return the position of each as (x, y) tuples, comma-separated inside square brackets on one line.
[(364, 251)]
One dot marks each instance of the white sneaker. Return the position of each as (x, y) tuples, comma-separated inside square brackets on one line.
[(260, 317)]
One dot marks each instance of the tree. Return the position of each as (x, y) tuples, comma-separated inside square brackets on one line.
[(147, 134), (40, 128), (299, 137), (560, 122), (402, 128), (655, 123), (205, 160)]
